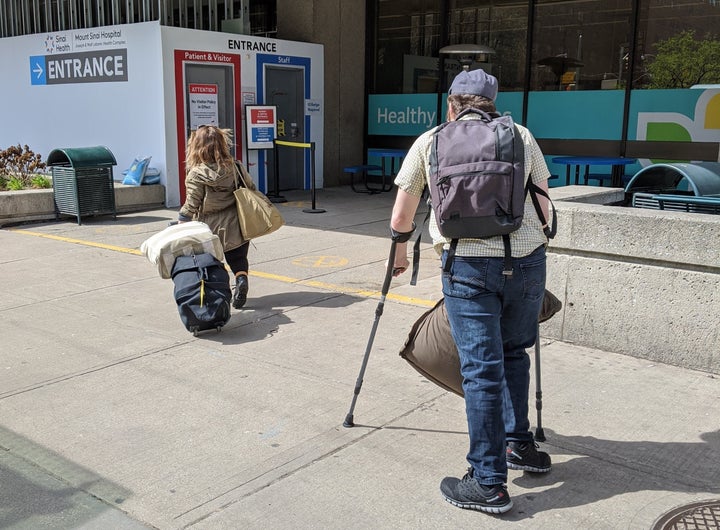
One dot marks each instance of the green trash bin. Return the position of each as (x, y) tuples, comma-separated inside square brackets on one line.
[(83, 181)]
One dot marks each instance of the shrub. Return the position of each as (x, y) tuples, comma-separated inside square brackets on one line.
[(15, 183), (19, 168), (40, 182)]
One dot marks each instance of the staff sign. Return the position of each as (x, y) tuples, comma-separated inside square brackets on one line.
[(261, 123)]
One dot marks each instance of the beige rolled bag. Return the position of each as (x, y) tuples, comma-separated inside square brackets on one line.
[(181, 239), (430, 348)]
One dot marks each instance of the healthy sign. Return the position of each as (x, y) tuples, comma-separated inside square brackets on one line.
[(401, 114)]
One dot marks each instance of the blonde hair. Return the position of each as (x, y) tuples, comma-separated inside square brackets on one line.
[(210, 145)]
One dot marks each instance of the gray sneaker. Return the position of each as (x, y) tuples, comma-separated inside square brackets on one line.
[(469, 494)]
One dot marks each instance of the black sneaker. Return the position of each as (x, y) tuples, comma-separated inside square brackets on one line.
[(241, 291), (469, 494), (524, 456)]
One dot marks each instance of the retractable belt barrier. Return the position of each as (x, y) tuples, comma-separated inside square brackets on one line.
[(300, 145)]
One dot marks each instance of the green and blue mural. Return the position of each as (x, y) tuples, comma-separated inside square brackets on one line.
[(680, 115)]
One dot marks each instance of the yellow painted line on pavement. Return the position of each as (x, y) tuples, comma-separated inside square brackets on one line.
[(321, 262), (79, 242), (345, 289), (268, 276)]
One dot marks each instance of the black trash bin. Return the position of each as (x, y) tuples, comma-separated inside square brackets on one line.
[(83, 181), (691, 187)]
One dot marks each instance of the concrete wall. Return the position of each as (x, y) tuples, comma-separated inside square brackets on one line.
[(644, 283), (39, 205), (340, 26)]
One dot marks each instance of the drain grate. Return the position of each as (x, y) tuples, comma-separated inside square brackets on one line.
[(703, 515)]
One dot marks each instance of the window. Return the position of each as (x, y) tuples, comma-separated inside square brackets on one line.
[(580, 45), (677, 44), (499, 25)]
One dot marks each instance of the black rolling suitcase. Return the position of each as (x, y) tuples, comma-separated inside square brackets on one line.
[(202, 292)]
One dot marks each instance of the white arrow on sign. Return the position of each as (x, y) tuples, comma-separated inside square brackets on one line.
[(38, 70)]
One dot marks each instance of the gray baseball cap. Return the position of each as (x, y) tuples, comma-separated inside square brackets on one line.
[(476, 82)]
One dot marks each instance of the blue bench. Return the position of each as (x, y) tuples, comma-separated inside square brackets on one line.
[(361, 171), (600, 177)]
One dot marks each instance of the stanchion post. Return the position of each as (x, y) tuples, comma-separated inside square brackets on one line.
[(276, 197), (312, 182)]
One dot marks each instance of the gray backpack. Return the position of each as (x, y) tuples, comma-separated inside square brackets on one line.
[(477, 180), (477, 176)]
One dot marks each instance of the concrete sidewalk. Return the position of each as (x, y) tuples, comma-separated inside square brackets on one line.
[(112, 415)]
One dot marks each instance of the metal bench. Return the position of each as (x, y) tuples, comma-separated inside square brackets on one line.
[(361, 170)]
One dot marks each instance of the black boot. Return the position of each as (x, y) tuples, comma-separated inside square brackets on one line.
[(241, 291)]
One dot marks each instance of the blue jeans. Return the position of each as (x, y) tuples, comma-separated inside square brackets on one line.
[(493, 320)]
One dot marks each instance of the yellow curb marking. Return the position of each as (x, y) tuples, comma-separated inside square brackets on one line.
[(342, 289), (79, 242), (321, 262)]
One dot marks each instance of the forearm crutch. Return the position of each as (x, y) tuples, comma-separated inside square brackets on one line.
[(539, 432), (397, 237)]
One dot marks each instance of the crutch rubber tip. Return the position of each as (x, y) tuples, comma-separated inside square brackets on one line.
[(348, 422), (540, 434)]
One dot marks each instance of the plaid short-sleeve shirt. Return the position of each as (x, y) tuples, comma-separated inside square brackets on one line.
[(414, 176)]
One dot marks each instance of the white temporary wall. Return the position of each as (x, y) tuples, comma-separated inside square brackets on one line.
[(124, 116), (247, 53), (116, 86)]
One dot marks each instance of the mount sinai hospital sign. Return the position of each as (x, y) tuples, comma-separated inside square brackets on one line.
[(84, 57)]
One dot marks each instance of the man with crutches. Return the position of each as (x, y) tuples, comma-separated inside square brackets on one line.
[(493, 299)]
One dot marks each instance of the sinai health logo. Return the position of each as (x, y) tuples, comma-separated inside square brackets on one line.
[(57, 44)]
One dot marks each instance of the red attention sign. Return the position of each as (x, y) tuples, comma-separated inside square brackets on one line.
[(262, 116), (203, 89)]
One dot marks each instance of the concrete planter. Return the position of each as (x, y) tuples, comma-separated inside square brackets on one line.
[(38, 205), (641, 282)]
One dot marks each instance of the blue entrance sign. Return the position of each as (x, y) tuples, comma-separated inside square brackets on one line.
[(102, 66), (37, 70)]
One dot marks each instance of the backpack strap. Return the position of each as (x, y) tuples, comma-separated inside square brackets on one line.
[(450, 256), (507, 264), (416, 245), (416, 254), (507, 261), (487, 116), (534, 190)]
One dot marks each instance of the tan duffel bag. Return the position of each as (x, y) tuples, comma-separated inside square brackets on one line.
[(430, 348)]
